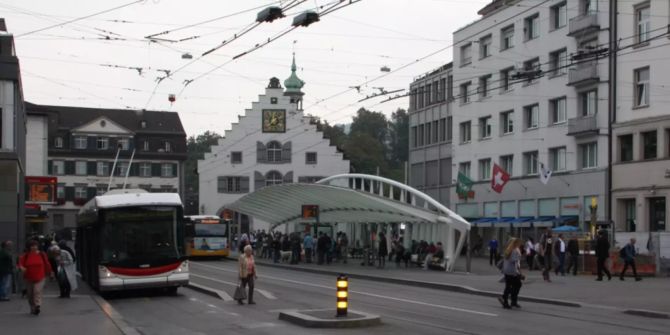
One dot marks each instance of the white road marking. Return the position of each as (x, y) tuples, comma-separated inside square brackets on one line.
[(222, 294), (264, 293), (356, 292)]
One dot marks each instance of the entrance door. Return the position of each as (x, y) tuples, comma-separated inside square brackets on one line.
[(657, 214)]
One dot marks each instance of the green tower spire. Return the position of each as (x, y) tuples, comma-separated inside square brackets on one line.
[(293, 84)]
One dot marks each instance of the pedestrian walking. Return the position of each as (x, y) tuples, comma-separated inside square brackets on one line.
[(383, 251), (35, 267), (546, 249), (573, 252), (247, 274), (602, 254), (530, 253), (628, 254), (513, 276), (66, 273), (560, 252), (493, 251), (6, 270), (308, 244), (344, 247)]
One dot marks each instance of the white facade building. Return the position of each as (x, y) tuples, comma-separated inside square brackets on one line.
[(524, 97), (273, 143)]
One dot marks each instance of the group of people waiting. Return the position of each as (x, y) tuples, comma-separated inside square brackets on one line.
[(28, 272)]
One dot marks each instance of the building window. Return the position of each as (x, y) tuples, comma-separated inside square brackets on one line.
[(274, 151), (558, 61), (421, 135), (485, 46), (121, 168), (507, 163), (58, 142), (436, 91), (60, 191), (629, 209), (507, 122), (143, 124), (649, 145), (588, 103), (533, 70), (505, 76), (557, 110), (530, 163), (465, 132), (443, 130), (273, 178), (310, 158), (166, 170), (589, 7), (485, 169), (465, 95), (80, 192), (100, 189), (124, 143), (428, 96), (273, 100), (428, 132), (464, 168), (626, 148), (589, 153), (435, 132), (531, 27), (557, 159), (450, 87), (531, 116), (236, 157), (642, 87), (145, 169), (443, 89), (484, 86), (58, 168), (506, 37), (102, 169), (412, 134), (642, 22), (80, 168), (485, 127), (80, 142), (466, 54), (102, 143), (167, 146), (450, 127), (420, 96), (559, 16)]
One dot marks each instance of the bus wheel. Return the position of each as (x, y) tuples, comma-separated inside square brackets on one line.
[(172, 290)]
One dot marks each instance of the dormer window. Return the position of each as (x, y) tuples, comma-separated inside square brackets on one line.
[(145, 146), (80, 142), (102, 143), (273, 100), (58, 142), (167, 146), (124, 144), (143, 124)]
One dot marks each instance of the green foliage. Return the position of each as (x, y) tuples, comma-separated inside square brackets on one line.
[(196, 148)]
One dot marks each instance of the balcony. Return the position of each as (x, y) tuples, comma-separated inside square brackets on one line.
[(583, 24), (584, 74), (583, 126)]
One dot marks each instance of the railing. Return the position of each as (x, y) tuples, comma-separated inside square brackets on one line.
[(582, 125), (584, 73), (583, 23)]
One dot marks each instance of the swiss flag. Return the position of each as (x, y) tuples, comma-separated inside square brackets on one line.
[(499, 178)]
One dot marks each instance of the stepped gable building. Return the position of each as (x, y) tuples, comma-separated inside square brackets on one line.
[(273, 143), (78, 146)]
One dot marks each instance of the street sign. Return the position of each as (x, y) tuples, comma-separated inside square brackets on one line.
[(310, 212), (41, 190)]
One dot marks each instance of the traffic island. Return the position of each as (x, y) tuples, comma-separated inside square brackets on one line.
[(327, 318)]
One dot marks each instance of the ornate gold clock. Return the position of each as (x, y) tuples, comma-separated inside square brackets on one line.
[(274, 120)]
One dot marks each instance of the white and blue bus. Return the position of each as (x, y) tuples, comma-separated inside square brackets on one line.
[(132, 239)]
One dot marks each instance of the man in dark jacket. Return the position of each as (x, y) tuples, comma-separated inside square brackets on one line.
[(573, 251), (547, 243), (629, 259), (602, 253), (6, 270), (321, 248)]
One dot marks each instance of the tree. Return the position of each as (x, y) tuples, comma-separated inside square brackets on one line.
[(196, 148), (334, 133), (371, 123), (399, 137), (365, 153)]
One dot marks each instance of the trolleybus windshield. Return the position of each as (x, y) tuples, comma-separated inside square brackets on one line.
[(136, 235), (210, 236)]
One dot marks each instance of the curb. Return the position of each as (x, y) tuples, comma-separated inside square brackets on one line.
[(432, 285), (301, 318), (647, 313), (113, 315), (203, 289)]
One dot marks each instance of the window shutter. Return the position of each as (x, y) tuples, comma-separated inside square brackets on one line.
[(261, 154), (92, 142), (259, 181), (174, 170), (288, 177), (155, 169), (50, 167), (69, 193), (286, 152), (69, 168), (244, 184), (91, 168), (221, 184)]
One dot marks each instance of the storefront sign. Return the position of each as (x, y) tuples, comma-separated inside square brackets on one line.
[(41, 190)]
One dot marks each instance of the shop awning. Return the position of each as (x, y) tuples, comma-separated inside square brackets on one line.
[(522, 222), (483, 222), (544, 221)]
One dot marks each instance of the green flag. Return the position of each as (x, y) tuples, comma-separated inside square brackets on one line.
[(464, 185)]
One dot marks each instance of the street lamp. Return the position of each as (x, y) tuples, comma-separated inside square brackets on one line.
[(342, 295)]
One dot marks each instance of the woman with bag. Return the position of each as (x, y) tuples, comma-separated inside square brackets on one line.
[(512, 270), (247, 276), (66, 276), (35, 267)]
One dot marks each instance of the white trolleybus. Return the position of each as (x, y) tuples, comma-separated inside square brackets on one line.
[(132, 239)]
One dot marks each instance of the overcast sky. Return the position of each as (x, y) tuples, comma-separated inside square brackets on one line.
[(75, 64)]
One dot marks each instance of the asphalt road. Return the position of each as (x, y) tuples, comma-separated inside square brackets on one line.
[(404, 310)]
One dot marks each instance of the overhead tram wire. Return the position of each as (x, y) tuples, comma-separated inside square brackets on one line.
[(79, 19)]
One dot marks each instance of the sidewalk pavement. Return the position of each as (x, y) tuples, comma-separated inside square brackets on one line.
[(649, 294), (81, 314)]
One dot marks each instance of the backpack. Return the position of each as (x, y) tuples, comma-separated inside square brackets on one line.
[(622, 252)]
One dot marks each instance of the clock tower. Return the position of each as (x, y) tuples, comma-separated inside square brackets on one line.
[(294, 85)]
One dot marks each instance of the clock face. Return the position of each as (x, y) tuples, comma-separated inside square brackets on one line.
[(274, 121)]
